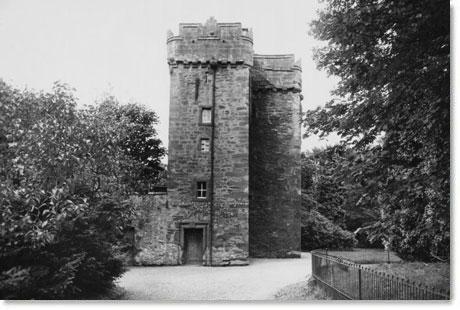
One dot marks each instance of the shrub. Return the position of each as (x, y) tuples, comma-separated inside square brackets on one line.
[(366, 241), (52, 247), (60, 236), (319, 232)]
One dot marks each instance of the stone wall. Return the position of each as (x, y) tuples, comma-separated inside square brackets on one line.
[(231, 180), (153, 242), (204, 59), (274, 218), (220, 42), (190, 91)]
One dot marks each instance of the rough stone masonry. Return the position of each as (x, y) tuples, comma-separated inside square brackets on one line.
[(234, 153)]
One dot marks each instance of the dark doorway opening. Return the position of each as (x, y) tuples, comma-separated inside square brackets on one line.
[(193, 246)]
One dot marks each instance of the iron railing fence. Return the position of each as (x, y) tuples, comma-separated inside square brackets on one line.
[(348, 280)]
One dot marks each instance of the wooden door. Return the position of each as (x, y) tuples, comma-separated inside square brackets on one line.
[(193, 242)]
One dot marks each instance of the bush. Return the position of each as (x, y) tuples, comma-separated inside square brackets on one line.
[(60, 236), (366, 241), (52, 247), (319, 232)]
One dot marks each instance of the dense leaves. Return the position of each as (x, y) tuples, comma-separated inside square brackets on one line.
[(318, 233), (392, 101), (54, 248), (141, 143), (65, 174), (340, 180)]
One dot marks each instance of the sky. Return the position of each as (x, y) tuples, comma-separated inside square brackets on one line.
[(118, 47)]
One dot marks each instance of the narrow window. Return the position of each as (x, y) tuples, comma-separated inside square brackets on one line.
[(201, 190), (204, 145), (206, 115), (197, 88)]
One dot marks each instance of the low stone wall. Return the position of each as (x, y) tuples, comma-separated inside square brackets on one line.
[(151, 243)]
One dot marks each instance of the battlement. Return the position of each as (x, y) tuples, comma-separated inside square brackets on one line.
[(276, 72), (211, 30), (281, 62), (211, 42)]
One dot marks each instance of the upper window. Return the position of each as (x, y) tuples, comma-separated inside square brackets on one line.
[(201, 190), (206, 115), (204, 146), (197, 88)]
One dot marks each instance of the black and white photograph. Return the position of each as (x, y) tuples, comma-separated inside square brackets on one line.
[(227, 151)]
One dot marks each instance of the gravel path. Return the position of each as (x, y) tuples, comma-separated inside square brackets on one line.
[(258, 281)]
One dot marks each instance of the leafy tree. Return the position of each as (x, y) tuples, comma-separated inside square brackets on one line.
[(38, 142), (308, 171), (392, 58), (138, 140), (338, 187), (56, 245), (318, 232), (64, 176), (49, 143)]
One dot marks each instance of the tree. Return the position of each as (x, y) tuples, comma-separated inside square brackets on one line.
[(392, 58), (340, 180), (64, 177), (318, 232), (140, 142)]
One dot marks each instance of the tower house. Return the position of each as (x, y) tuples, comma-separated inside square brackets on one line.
[(234, 152)]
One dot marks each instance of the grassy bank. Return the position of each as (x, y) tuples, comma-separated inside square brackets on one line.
[(305, 290)]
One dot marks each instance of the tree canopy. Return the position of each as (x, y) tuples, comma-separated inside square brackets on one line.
[(336, 179), (65, 174), (392, 104)]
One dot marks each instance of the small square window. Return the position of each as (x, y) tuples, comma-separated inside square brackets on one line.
[(204, 145), (201, 190), (206, 115)]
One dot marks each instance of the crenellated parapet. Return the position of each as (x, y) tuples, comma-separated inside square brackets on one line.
[(226, 43), (276, 72)]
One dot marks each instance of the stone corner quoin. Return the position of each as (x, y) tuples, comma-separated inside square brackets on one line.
[(234, 154)]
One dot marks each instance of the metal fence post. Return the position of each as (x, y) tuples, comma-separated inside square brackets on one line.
[(360, 296), (332, 272)]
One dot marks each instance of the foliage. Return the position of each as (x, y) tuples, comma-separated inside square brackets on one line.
[(39, 147), (339, 179), (47, 142), (318, 232), (54, 248), (137, 139), (64, 174), (392, 101), (308, 172)]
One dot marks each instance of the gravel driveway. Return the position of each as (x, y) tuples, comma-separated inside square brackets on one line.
[(258, 281)]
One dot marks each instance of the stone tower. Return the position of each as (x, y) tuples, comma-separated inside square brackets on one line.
[(274, 156), (234, 152), (209, 139)]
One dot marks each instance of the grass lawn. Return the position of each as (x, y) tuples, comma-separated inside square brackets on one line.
[(305, 290), (432, 274), (367, 256), (436, 275)]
